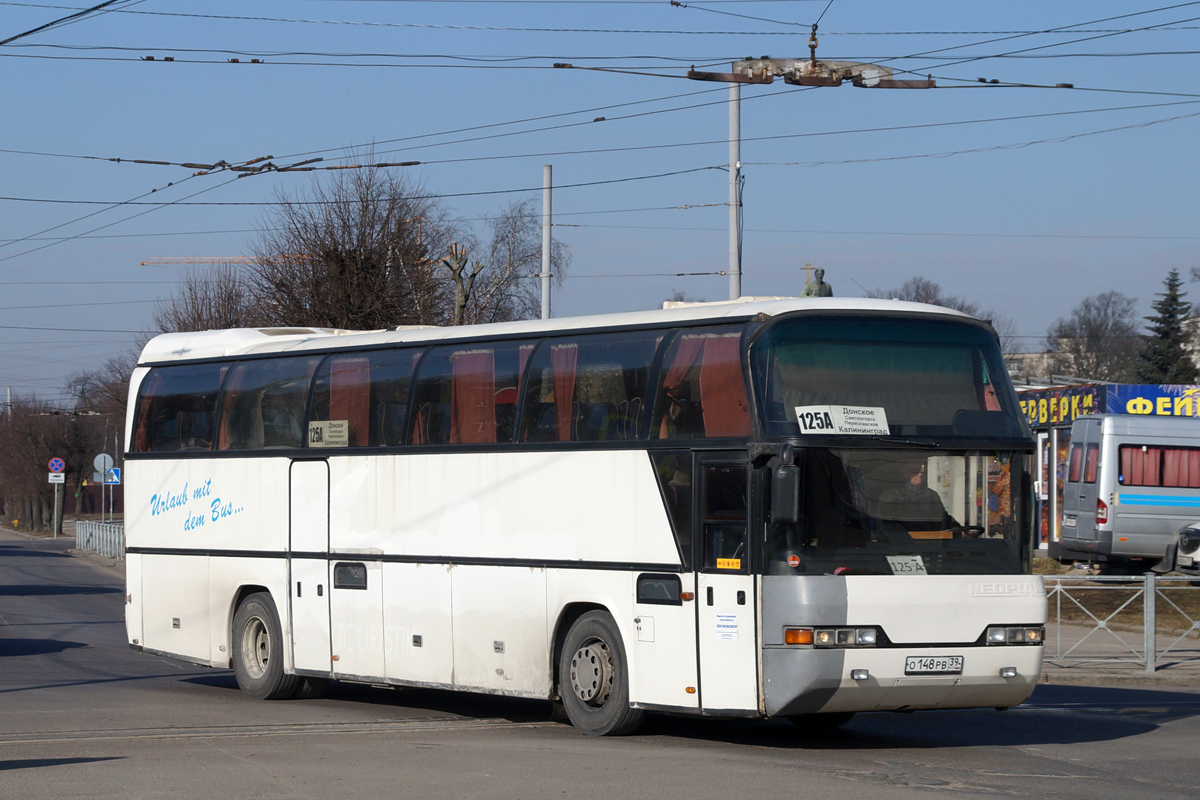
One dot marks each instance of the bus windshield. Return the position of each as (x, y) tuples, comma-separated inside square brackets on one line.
[(895, 512), (845, 375)]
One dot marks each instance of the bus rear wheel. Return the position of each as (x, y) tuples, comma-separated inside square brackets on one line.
[(258, 650), (593, 676)]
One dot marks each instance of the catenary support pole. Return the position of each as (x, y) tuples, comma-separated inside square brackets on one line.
[(735, 200), (547, 183)]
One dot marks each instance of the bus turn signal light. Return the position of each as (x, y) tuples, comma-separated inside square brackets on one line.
[(797, 636), (687, 596)]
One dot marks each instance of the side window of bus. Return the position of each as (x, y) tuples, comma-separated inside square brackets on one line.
[(262, 405), (590, 388), (703, 392), (1155, 465), (468, 394), (176, 407), (360, 399)]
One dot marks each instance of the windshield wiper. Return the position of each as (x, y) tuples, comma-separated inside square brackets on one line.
[(902, 440)]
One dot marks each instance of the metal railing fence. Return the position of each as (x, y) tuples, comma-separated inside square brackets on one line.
[(1148, 620), (105, 538)]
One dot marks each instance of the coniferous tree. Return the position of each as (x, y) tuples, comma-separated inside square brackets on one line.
[(1165, 359)]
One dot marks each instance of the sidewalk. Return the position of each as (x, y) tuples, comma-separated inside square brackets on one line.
[(1092, 656)]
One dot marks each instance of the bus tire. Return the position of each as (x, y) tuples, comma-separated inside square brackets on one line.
[(593, 676), (258, 650), (311, 688), (821, 722)]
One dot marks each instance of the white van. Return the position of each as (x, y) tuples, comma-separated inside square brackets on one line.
[(1131, 483)]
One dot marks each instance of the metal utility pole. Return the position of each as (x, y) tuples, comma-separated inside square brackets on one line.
[(799, 72), (735, 195), (547, 183)]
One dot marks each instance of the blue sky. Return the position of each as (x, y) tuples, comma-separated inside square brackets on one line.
[(1026, 229)]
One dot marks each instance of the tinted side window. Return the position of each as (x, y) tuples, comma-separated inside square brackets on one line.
[(361, 399), (703, 393), (590, 388), (263, 403), (176, 408), (468, 394)]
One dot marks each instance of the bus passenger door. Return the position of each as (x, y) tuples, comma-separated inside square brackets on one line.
[(726, 599), (308, 566)]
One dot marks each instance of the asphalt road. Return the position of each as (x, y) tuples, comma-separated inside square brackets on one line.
[(83, 716)]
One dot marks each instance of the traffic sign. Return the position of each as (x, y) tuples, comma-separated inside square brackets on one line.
[(57, 465), (102, 462), (57, 477), (113, 476)]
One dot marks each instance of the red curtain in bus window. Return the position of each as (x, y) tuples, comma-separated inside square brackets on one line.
[(686, 353), (722, 390), (1140, 466), (1075, 463), (350, 396), (1092, 462), (563, 358), (473, 397), (1181, 468)]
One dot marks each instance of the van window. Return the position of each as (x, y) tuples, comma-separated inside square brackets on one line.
[(467, 394), (1091, 462), (1075, 463), (1154, 465), (176, 407), (590, 388), (702, 392), (360, 399), (263, 403)]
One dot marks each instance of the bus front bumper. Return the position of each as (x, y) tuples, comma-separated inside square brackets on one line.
[(809, 681)]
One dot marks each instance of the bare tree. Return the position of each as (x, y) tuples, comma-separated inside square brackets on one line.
[(356, 251), (923, 290), (1099, 340), (208, 299), (508, 287)]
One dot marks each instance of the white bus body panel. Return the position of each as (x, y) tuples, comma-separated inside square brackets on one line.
[(356, 625), (416, 603), (501, 505), (663, 661), (133, 594)]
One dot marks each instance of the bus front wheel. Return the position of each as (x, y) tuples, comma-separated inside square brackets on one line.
[(593, 676), (258, 650)]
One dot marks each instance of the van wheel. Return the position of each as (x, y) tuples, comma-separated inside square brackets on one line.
[(258, 650), (593, 676)]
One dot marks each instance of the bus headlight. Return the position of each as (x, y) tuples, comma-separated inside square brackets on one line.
[(1032, 634), (845, 637)]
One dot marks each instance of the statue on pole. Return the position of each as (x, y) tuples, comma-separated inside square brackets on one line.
[(817, 287)]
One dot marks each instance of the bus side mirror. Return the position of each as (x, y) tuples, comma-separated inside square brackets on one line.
[(785, 494)]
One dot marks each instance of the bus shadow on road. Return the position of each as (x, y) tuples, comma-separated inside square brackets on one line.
[(1056, 715), (11, 648), (464, 704), (1078, 716), (47, 589), (30, 763)]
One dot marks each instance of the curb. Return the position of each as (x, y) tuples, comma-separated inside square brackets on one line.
[(1111, 679)]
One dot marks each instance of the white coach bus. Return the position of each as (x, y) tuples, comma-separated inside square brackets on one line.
[(775, 508)]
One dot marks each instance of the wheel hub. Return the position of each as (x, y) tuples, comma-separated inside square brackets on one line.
[(256, 647), (592, 673)]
